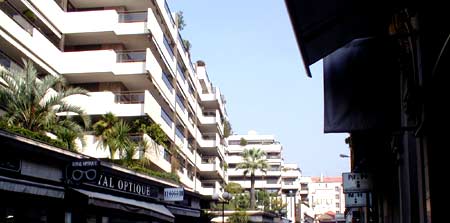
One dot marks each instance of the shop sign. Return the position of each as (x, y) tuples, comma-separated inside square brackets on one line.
[(355, 199), (10, 164), (83, 171), (174, 194), (90, 172), (128, 186), (356, 182)]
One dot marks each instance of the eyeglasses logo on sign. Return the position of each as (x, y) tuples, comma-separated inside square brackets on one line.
[(83, 171)]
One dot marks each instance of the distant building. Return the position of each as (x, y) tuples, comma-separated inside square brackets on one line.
[(281, 178), (326, 194)]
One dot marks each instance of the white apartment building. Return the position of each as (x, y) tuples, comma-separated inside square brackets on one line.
[(326, 194), (130, 56), (280, 178), (269, 181)]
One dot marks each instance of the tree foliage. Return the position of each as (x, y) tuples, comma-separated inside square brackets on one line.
[(179, 20), (114, 135), (227, 130), (239, 217), (39, 105), (253, 160)]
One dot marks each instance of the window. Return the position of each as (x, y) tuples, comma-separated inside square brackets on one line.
[(168, 81), (167, 155), (166, 6), (168, 47), (179, 132), (166, 117), (338, 205), (180, 102), (180, 71), (272, 181), (337, 196), (337, 188)]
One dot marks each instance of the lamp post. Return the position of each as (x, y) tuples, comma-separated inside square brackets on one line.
[(225, 198), (292, 194), (344, 156), (283, 212)]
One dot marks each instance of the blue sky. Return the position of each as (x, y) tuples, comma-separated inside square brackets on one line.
[(251, 54)]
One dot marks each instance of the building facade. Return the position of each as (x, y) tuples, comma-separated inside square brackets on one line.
[(397, 131), (326, 194), (280, 178), (131, 58)]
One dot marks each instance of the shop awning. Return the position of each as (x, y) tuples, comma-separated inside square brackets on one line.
[(128, 205), (28, 187), (322, 26), (184, 211)]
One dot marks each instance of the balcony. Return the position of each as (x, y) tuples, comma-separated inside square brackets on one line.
[(104, 61), (209, 187), (110, 22), (209, 140), (240, 172), (259, 184), (123, 104), (211, 167), (289, 185), (157, 154), (290, 173), (19, 29)]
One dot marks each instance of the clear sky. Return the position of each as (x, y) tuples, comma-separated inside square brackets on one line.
[(251, 54)]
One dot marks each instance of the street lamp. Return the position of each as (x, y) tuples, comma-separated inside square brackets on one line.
[(292, 194), (344, 156), (225, 198)]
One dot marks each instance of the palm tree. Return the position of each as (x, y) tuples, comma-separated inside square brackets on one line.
[(114, 134), (254, 159), (38, 104)]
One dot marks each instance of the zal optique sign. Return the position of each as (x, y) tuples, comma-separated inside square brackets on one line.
[(129, 186), (90, 172)]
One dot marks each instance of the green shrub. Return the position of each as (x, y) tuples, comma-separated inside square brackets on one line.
[(163, 175), (32, 135)]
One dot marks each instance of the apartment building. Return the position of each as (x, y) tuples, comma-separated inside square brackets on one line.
[(280, 178), (326, 194), (130, 56), (269, 181)]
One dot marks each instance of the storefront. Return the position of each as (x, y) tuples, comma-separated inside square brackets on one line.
[(41, 183)]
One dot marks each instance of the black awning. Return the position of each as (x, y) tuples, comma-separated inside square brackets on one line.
[(322, 26), (126, 204), (28, 187), (184, 211), (361, 87)]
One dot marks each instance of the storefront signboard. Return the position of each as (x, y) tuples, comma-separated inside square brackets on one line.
[(89, 172), (174, 194), (355, 199), (356, 182), (116, 183), (81, 171)]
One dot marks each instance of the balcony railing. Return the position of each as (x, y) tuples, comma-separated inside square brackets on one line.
[(125, 17), (129, 97), (166, 6), (166, 118), (209, 136), (9, 63), (131, 56), (168, 47), (273, 157), (167, 155), (26, 22)]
